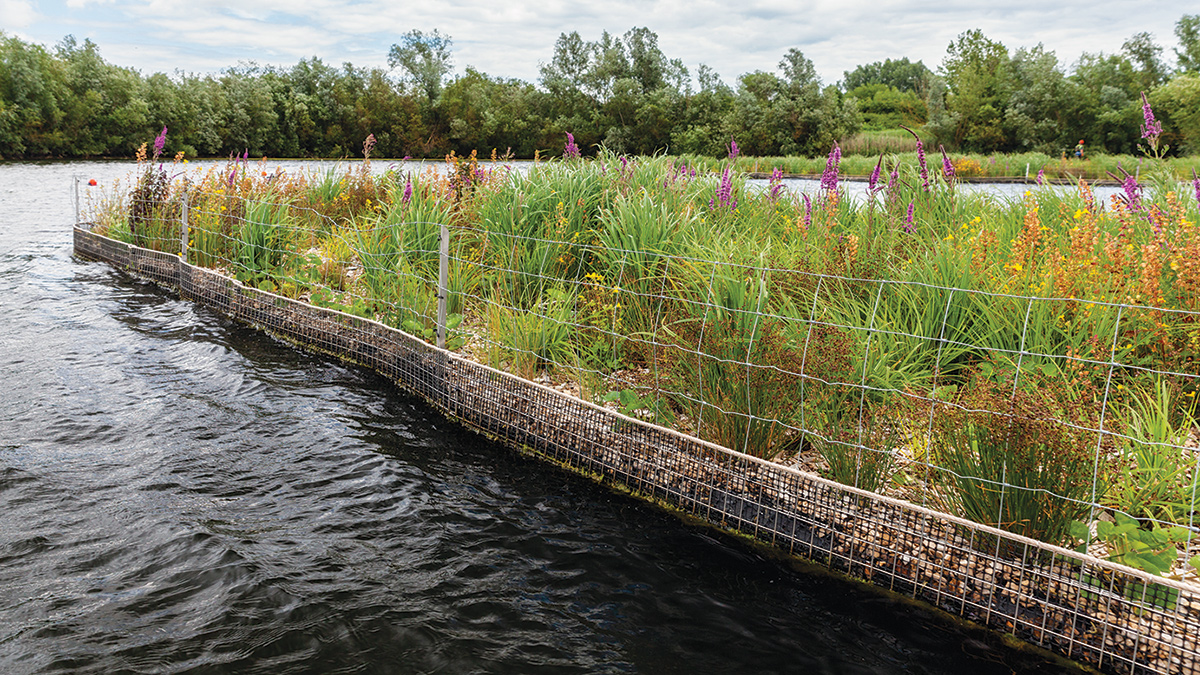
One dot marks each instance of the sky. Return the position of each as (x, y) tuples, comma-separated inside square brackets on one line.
[(511, 38)]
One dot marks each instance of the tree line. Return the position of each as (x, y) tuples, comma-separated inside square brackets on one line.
[(622, 92)]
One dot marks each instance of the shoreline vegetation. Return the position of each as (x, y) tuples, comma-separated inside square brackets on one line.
[(969, 167), (1028, 363)]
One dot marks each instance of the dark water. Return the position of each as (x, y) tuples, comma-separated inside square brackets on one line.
[(181, 494)]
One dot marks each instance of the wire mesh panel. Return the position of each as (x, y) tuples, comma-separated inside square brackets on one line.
[(1116, 618)]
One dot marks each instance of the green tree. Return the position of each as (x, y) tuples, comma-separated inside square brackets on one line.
[(573, 102), (1146, 57), (31, 86), (701, 128), (393, 116), (250, 122), (899, 74), (488, 113), (105, 112), (202, 130), (1108, 102), (976, 72), (426, 59), (1041, 111), (792, 114), (886, 107), (1187, 29), (941, 122), (621, 92)]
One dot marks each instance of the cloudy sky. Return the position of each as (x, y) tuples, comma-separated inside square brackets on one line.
[(510, 38)]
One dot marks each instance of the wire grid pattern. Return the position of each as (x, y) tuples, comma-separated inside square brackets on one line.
[(398, 257), (660, 350), (1113, 617)]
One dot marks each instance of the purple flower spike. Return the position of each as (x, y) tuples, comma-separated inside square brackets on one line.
[(920, 161), (724, 198), (159, 142), (776, 184), (1196, 184), (407, 197), (1041, 175), (947, 165), (908, 220), (571, 151), (924, 167), (1152, 128), (829, 178), (873, 183), (1133, 193), (734, 151), (807, 211)]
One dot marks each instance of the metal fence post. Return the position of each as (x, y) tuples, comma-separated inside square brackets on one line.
[(443, 282), (184, 229)]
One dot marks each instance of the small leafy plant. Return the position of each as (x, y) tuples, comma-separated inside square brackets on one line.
[(454, 340), (1129, 543), (631, 404)]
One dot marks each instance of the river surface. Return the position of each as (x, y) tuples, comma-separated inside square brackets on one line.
[(182, 494)]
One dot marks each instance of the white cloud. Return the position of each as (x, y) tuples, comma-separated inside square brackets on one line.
[(512, 38), (18, 14)]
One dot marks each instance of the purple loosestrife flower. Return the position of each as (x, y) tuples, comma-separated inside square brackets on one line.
[(923, 166), (893, 177), (920, 160), (734, 151), (908, 220), (1196, 184), (159, 142), (407, 197), (724, 198), (1152, 128), (829, 178), (807, 211), (1041, 176), (776, 184), (571, 151), (947, 165), (873, 182), (1133, 193)]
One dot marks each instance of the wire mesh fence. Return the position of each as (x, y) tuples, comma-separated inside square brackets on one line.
[(958, 430)]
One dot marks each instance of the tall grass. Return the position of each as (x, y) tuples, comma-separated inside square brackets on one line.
[(1003, 336)]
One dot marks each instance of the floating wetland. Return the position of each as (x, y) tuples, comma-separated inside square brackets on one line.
[(930, 391)]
